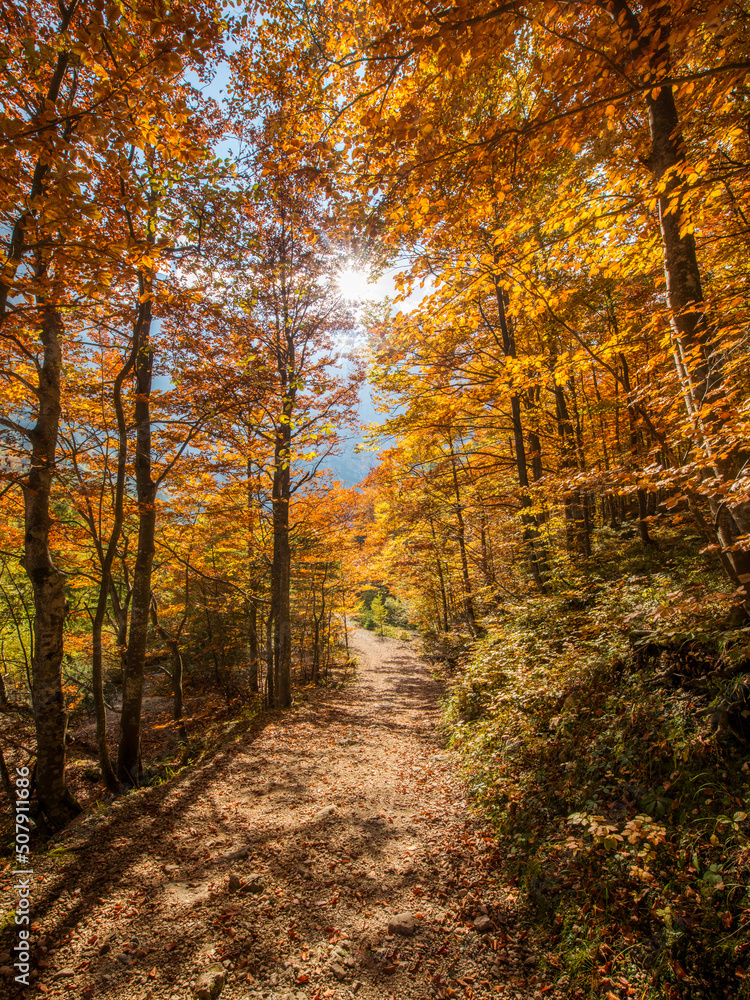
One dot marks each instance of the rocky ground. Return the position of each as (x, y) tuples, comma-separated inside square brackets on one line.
[(329, 854)]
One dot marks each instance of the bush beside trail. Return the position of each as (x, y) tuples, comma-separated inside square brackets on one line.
[(605, 733)]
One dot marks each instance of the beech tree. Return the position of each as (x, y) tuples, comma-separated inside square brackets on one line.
[(297, 314), (460, 118), (75, 84), (568, 182)]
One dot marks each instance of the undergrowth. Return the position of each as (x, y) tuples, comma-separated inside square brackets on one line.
[(604, 731)]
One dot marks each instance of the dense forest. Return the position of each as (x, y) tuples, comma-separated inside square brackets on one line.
[(558, 516)]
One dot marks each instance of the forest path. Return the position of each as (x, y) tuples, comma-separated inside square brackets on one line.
[(278, 863)]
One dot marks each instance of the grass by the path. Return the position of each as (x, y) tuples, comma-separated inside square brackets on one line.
[(603, 735)]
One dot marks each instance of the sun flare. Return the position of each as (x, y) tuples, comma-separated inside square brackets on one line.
[(354, 284)]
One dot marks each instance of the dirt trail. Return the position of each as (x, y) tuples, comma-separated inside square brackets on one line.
[(279, 863)]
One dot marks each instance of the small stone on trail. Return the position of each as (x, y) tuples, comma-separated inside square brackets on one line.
[(340, 956), (325, 813), (241, 852), (254, 883), (402, 923), (234, 883), (338, 971), (210, 983), (482, 924)]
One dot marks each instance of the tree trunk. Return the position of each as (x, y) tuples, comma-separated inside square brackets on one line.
[(697, 360), (488, 571), (532, 538), (107, 557), (317, 620), (281, 562), (270, 686), (642, 515), (252, 618), (461, 533), (315, 664), (699, 369), (584, 534), (439, 564), (178, 711), (176, 671), (48, 585), (17, 243), (346, 630), (535, 454), (129, 756), (576, 535), (252, 610), (121, 608)]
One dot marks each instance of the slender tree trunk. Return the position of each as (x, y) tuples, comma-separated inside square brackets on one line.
[(642, 515), (129, 756), (602, 425), (270, 685), (97, 684), (584, 532), (318, 620), (325, 612), (48, 586), (121, 608), (532, 435), (252, 610), (346, 630), (535, 453), (281, 562), (461, 533), (439, 565), (532, 538), (178, 671), (576, 535), (315, 665), (108, 556), (328, 642), (252, 619), (176, 674), (484, 539)]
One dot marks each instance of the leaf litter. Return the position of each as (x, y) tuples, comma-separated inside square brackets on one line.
[(273, 869)]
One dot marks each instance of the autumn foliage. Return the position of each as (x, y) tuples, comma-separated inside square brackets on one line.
[(562, 190)]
